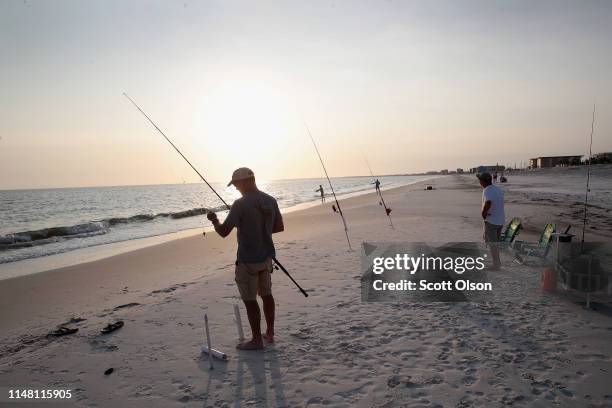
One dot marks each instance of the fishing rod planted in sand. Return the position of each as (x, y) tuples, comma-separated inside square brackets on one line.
[(586, 194), (382, 200), (331, 187), (278, 264)]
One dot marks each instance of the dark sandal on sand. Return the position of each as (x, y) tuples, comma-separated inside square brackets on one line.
[(112, 327), (62, 331)]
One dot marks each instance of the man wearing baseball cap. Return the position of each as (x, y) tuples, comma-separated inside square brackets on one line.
[(493, 215), (256, 217)]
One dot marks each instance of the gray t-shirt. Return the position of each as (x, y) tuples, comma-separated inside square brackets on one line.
[(254, 215)]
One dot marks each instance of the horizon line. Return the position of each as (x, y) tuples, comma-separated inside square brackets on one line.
[(201, 182)]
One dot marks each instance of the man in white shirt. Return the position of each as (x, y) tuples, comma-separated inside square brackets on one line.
[(492, 214)]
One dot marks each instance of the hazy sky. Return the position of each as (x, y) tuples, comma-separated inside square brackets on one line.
[(415, 85)]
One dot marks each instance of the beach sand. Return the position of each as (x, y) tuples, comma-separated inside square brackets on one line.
[(529, 348)]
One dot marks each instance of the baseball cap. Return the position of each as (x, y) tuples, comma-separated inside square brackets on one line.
[(241, 174), (485, 177)]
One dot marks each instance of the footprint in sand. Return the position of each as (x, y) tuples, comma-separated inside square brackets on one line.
[(127, 305), (101, 346), (171, 288), (468, 380)]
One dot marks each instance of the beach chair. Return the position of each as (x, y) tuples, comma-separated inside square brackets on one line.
[(538, 250), (512, 230)]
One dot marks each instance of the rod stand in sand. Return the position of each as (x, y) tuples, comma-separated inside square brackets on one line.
[(209, 349), (238, 322), (212, 353), (209, 186), (586, 194)]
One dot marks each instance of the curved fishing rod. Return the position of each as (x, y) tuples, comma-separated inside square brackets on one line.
[(382, 200), (211, 187), (586, 194), (331, 187)]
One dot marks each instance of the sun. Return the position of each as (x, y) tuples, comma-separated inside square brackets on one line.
[(249, 117)]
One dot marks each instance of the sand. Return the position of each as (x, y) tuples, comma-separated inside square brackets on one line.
[(528, 348)]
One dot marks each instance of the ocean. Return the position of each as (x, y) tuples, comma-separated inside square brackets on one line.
[(43, 222)]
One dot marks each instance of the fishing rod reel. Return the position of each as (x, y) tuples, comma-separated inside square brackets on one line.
[(210, 218)]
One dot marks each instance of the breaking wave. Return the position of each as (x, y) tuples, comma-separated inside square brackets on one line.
[(88, 229)]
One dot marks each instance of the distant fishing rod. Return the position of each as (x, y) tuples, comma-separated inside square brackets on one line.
[(331, 187), (382, 200), (586, 194), (211, 187)]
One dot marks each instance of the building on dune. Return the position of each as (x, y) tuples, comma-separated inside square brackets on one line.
[(554, 161)]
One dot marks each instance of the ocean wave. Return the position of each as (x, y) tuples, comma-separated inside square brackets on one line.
[(48, 235), (53, 234), (127, 220), (189, 213)]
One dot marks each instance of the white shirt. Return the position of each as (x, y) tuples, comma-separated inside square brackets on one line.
[(495, 195)]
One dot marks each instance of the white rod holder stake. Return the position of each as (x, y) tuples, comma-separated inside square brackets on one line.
[(210, 357), (215, 353), (238, 322)]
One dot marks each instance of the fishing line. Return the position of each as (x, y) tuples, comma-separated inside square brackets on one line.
[(330, 186), (211, 187)]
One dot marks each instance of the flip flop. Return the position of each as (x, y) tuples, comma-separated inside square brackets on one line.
[(62, 331), (112, 327), (249, 346)]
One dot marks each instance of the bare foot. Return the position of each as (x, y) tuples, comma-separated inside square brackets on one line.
[(250, 345), (269, 338)]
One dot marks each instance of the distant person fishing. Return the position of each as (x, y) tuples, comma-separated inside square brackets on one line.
[(320, 189), (256, 216), (377, 185), (492, 213)]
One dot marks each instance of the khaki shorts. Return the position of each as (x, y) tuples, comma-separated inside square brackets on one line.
[(492, 232), (254, 278)]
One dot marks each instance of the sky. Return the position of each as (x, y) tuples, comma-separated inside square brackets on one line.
[(412, 85)]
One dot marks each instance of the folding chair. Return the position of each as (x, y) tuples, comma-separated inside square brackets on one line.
[(538, 250), (512, 230)]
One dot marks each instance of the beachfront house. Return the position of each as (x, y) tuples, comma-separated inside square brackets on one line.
[(602, 158), (554, 161)]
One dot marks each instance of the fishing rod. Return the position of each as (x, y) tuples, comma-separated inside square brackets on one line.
[(382, 200), (211, 187), (586, 194), (331, 187)]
